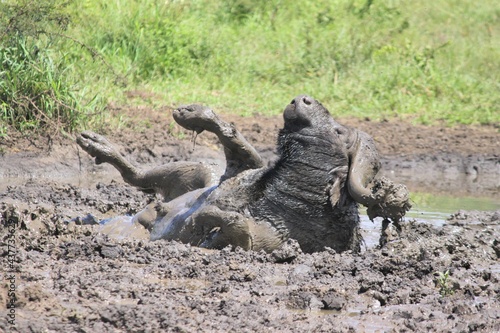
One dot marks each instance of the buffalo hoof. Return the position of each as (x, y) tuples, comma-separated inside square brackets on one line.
[(196, 118), (97, 146)]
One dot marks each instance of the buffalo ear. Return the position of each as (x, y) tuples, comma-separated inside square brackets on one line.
[(381, 196), (364, 166), (337, 190)]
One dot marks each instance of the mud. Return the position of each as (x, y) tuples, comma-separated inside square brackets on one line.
[(71, 278)]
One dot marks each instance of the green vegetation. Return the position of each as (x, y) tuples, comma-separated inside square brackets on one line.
[(443, 283), (447, 203), (35, 90), (422, 61)]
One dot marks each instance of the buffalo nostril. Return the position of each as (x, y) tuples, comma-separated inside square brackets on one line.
[(306, 100), (292, 102)]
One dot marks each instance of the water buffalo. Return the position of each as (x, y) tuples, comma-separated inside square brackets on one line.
[(311, 193)]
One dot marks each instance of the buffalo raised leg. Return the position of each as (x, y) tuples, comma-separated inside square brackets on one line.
[(170, 180), (240, 155)]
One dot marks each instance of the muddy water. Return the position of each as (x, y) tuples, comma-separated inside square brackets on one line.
[(82, 180), (71, 278), (428, 207), (436, 208), (433, 209), (429, 203)]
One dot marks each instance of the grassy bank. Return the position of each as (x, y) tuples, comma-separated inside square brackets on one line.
[(422, 61)]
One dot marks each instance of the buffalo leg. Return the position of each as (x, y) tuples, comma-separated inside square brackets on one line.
[(170, 180), (240, 155), (211, 227)]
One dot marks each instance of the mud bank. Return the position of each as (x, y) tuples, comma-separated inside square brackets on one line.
[(73, 279), (68, 277)]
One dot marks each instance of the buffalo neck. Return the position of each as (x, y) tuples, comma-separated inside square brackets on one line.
[(297, 186)]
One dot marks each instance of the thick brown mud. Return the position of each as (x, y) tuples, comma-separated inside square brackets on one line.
[(66, 276)]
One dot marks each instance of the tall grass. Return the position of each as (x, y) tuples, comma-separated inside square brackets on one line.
[(34, 92), (418, 60), (36, 89), (421, 61)]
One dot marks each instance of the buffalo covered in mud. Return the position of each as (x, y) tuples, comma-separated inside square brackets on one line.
[(310, 194)]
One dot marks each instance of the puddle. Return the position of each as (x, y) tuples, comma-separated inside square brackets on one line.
[(81, 180), (123, 227), (437, 208), (428, 208)]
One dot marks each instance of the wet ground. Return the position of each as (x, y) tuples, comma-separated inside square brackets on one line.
[(441, 273)]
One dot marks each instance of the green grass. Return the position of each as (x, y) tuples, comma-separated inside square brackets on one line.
[(35, 93), (421, 61), (36, 89), (443, 283), (448, 203)]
